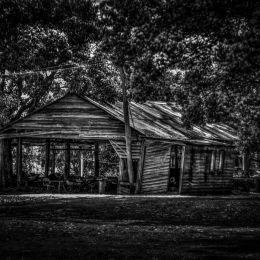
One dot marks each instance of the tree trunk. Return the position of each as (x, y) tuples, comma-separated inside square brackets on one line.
[(128, 137)]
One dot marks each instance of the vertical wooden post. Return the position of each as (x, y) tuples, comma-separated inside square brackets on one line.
[(6, 176), (47, 157), (2, 165), (96, 158), (182, 168), (123, 176), (245, 163), (67, 159), (8, 162), (53, 161), (128, 137), (140, 169), (19, 161), (176, 157), (121, 169), (81, 164)]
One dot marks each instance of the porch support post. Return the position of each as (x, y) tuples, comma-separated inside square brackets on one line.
[(53, 162), (19, 162), (67, 159), (121, 169), (5, 163), (96, 158), (47, 157), (81, 163), (182, 167), (245, 163), (9, 163), (140, 169)]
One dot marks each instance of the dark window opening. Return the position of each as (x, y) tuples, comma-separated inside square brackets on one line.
[(175, 165), (221, 161), (208, 165)]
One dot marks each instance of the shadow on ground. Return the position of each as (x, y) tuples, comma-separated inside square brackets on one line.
[(118, 227)]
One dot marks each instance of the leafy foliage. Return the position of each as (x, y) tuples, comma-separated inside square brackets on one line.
[(202, 54), (57, 40)]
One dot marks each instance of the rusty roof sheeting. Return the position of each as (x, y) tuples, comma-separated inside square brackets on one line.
[(160, 120), (163, 120)]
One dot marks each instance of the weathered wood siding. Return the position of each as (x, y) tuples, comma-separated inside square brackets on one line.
[(120, 148), (156, 168), (195, 177), (70, 117)]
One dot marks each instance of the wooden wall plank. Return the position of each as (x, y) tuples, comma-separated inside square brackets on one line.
[(156, 168), (73, 114), (140, 168), (120, 148), (216, 181)]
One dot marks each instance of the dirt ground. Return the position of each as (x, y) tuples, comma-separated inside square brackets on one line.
[(46, 226)]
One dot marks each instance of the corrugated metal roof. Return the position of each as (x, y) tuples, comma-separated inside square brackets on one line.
[(163, 120)]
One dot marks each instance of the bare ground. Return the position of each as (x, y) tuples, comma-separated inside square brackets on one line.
[(123, 227)]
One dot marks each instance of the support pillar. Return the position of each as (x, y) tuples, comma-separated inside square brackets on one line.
[(47, 157), (182, 167), (19, 162), (245, 163), (5, 163), (81, 164), (121, 169), (67, 159), (96, 158), (53, 162)]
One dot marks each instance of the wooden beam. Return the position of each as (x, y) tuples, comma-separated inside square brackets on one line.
[(47, 157), (96, 158), (19, 162), (182, 168), (140, 169), (67, 159)]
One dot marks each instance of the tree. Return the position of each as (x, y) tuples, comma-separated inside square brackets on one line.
[(202, 54), (48, 48), (118, 21)]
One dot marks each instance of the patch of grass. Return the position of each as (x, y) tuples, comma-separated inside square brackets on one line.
[(116, 227)]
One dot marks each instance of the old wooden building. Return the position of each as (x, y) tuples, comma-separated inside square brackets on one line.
[(167, 156)]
